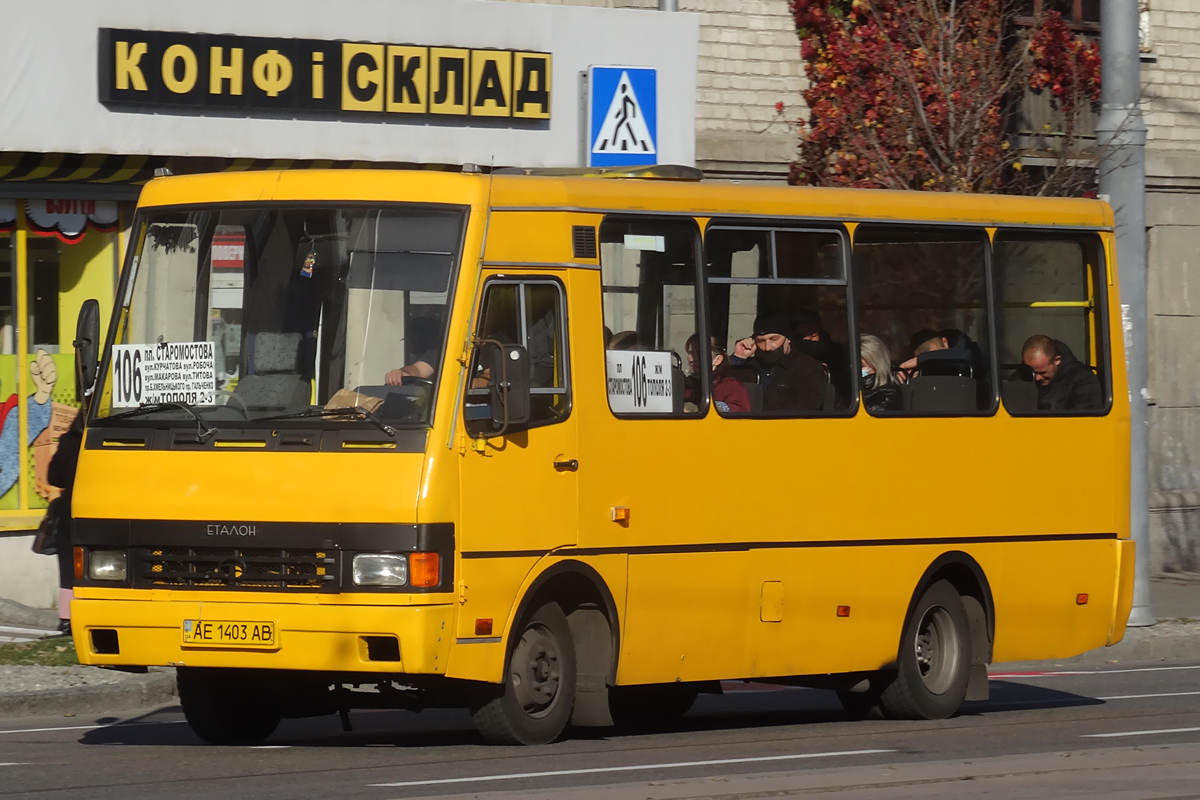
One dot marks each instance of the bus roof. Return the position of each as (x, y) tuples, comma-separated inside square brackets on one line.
[(624, 195)]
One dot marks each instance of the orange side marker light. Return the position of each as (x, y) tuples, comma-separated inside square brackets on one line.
[(620, 514), (78, 562), (843, 611), (483, 627), (1081, 599)]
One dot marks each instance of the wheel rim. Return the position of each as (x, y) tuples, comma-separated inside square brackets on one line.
[(536, 671), (938, 649)]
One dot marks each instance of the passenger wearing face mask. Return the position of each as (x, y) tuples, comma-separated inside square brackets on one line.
[(810, 337), (791, 381), (728, 394), (880, 387)]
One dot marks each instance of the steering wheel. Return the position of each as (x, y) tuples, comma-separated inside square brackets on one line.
[(412, 380), (244, 410)]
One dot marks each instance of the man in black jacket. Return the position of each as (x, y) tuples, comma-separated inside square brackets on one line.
[(790, 380), (1064, 383)]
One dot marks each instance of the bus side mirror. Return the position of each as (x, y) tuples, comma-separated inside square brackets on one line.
[(508, 367), (87, 347)]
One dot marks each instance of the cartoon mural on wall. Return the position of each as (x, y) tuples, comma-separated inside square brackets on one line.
[(47, 421)]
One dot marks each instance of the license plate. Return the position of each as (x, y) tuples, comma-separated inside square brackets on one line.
[(228, 633)]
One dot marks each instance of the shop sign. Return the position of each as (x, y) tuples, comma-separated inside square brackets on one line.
[(255, 76), (69, 219)]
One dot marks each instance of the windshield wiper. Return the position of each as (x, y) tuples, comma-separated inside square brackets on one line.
[(357, 411), (203, 428)]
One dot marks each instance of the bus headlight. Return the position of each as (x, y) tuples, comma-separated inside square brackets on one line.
[(378, 569), (106, 565)]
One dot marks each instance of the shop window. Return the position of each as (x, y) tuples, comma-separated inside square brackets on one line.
[(777, 301), (1050, 323), (529, 313), (923, 293), (43, 286), (648, 274), (8, 303)]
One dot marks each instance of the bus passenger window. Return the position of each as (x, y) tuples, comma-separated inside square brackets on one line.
[(648, 274), (777, 300), (922, 295), (529, 313), (1050, 323)]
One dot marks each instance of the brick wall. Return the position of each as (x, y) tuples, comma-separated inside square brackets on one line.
[(1171, 84), (749, 60)]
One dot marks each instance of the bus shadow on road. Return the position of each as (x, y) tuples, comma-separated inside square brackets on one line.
[(452, 728), (1012, 696)]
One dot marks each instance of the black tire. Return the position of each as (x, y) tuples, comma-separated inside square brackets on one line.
[(226, 707), (934, 660), (534, 704), (653, 706)]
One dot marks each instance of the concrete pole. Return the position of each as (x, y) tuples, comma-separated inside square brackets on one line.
[(1121, 136)]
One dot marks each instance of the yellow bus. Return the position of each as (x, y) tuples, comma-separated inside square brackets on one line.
[(569, 450)]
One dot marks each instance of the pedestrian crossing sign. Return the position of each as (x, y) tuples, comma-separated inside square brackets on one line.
[(622, 116)]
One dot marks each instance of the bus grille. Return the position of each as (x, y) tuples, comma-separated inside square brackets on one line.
[(238, 568)]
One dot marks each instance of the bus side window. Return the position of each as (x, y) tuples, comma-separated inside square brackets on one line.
[(648, 274), (923, 293), (793, 280), (529, 313), (1050, 292)]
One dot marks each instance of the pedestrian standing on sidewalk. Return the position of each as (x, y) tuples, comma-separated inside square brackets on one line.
[(61, 473)]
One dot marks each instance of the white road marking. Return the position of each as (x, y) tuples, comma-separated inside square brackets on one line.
[(14, 763), (1084, 672), (94, 727), (1144, 696), (633, 768), (270, 746), (1137, 733)]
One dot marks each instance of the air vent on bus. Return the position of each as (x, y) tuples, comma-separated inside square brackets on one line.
[(583, 241)]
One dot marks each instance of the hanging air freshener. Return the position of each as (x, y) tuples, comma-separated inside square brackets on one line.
[(310, 261)]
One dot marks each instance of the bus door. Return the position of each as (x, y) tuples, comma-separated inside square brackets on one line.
[(518, 488)]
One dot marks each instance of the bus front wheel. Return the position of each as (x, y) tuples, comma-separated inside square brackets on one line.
[(534, 704), (935, 658), (226, 707)]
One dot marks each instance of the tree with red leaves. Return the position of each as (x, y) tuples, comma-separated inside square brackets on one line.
[(919, 94)]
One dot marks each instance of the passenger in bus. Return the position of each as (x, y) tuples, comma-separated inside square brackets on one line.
[(790, 380), (625, 340), (947, 352), (880, 386), (815, 342), (729, 394), (1064, 382)]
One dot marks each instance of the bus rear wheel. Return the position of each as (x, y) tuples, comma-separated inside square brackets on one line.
[(935, 658), (226, 707), (534, 704)]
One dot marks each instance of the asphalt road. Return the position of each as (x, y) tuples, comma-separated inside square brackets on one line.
[(1125, 731)]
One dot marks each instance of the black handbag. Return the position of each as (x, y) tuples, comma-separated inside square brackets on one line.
[(45, 543)]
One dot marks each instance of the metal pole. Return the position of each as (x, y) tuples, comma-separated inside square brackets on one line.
[(668, 5), (1121, 136)]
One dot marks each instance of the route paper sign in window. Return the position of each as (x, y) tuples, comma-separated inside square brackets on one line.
[(163, 373), (640, 382)]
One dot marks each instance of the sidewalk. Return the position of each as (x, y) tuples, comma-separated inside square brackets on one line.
[(39, 691)]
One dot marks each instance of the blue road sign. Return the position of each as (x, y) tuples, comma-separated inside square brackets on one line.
[(622, 116)]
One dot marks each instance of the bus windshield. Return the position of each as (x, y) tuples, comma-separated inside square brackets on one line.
[(284, 313)]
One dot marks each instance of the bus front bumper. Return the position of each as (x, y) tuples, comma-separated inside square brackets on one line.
[(338, 638)]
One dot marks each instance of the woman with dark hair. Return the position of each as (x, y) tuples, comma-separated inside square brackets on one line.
[(61, 473), (729, 394)]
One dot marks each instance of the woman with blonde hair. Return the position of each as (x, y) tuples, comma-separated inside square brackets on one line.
[(880, 387)]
